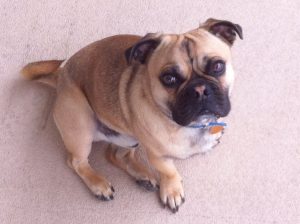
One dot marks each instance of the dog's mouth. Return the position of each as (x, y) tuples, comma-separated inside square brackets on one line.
[(202, 117)]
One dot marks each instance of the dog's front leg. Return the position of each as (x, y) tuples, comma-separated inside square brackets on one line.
[(171, 188)]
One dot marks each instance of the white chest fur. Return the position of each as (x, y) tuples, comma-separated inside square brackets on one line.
[(190, 141)]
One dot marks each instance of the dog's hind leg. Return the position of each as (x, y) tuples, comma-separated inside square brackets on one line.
[(76, 123), (127, 160)]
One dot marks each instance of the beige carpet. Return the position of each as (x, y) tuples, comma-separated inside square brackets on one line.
[(252, 177)]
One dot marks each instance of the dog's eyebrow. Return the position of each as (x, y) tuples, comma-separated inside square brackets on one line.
[(186, 46)]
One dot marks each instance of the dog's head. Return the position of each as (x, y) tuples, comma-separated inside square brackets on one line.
[(190, 74)]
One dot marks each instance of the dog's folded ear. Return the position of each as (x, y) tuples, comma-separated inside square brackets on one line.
[(223, 29), (141, 51)]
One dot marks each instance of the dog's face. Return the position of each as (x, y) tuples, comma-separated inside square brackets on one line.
[(191, 74)]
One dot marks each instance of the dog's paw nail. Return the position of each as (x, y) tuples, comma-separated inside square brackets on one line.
[(102, 197), (163, 204), (111, 197), (174, 210), (112, 189), (183, 199)]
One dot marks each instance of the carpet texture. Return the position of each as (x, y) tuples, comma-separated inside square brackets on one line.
[(253, 176)]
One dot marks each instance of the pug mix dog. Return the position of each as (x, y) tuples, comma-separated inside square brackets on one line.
[(142, 92)]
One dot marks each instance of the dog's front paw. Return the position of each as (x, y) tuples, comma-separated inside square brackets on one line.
[(102, 189), (171, 193)]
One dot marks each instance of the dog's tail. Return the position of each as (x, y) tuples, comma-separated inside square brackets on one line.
[(43, 71)]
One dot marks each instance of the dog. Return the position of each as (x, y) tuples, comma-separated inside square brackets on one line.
[(142, 93)]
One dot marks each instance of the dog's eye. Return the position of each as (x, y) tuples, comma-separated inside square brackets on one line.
[(170, 80), (216, 68)]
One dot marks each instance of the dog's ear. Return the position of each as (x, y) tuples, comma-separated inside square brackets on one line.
[(141, 51), (223, 29)]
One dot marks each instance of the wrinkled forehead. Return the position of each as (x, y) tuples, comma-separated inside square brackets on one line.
[(193, 47), (201, 43)]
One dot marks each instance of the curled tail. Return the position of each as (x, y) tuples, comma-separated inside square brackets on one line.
[(43, 71)]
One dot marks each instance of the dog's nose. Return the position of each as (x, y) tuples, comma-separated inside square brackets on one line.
[(201, 92)]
